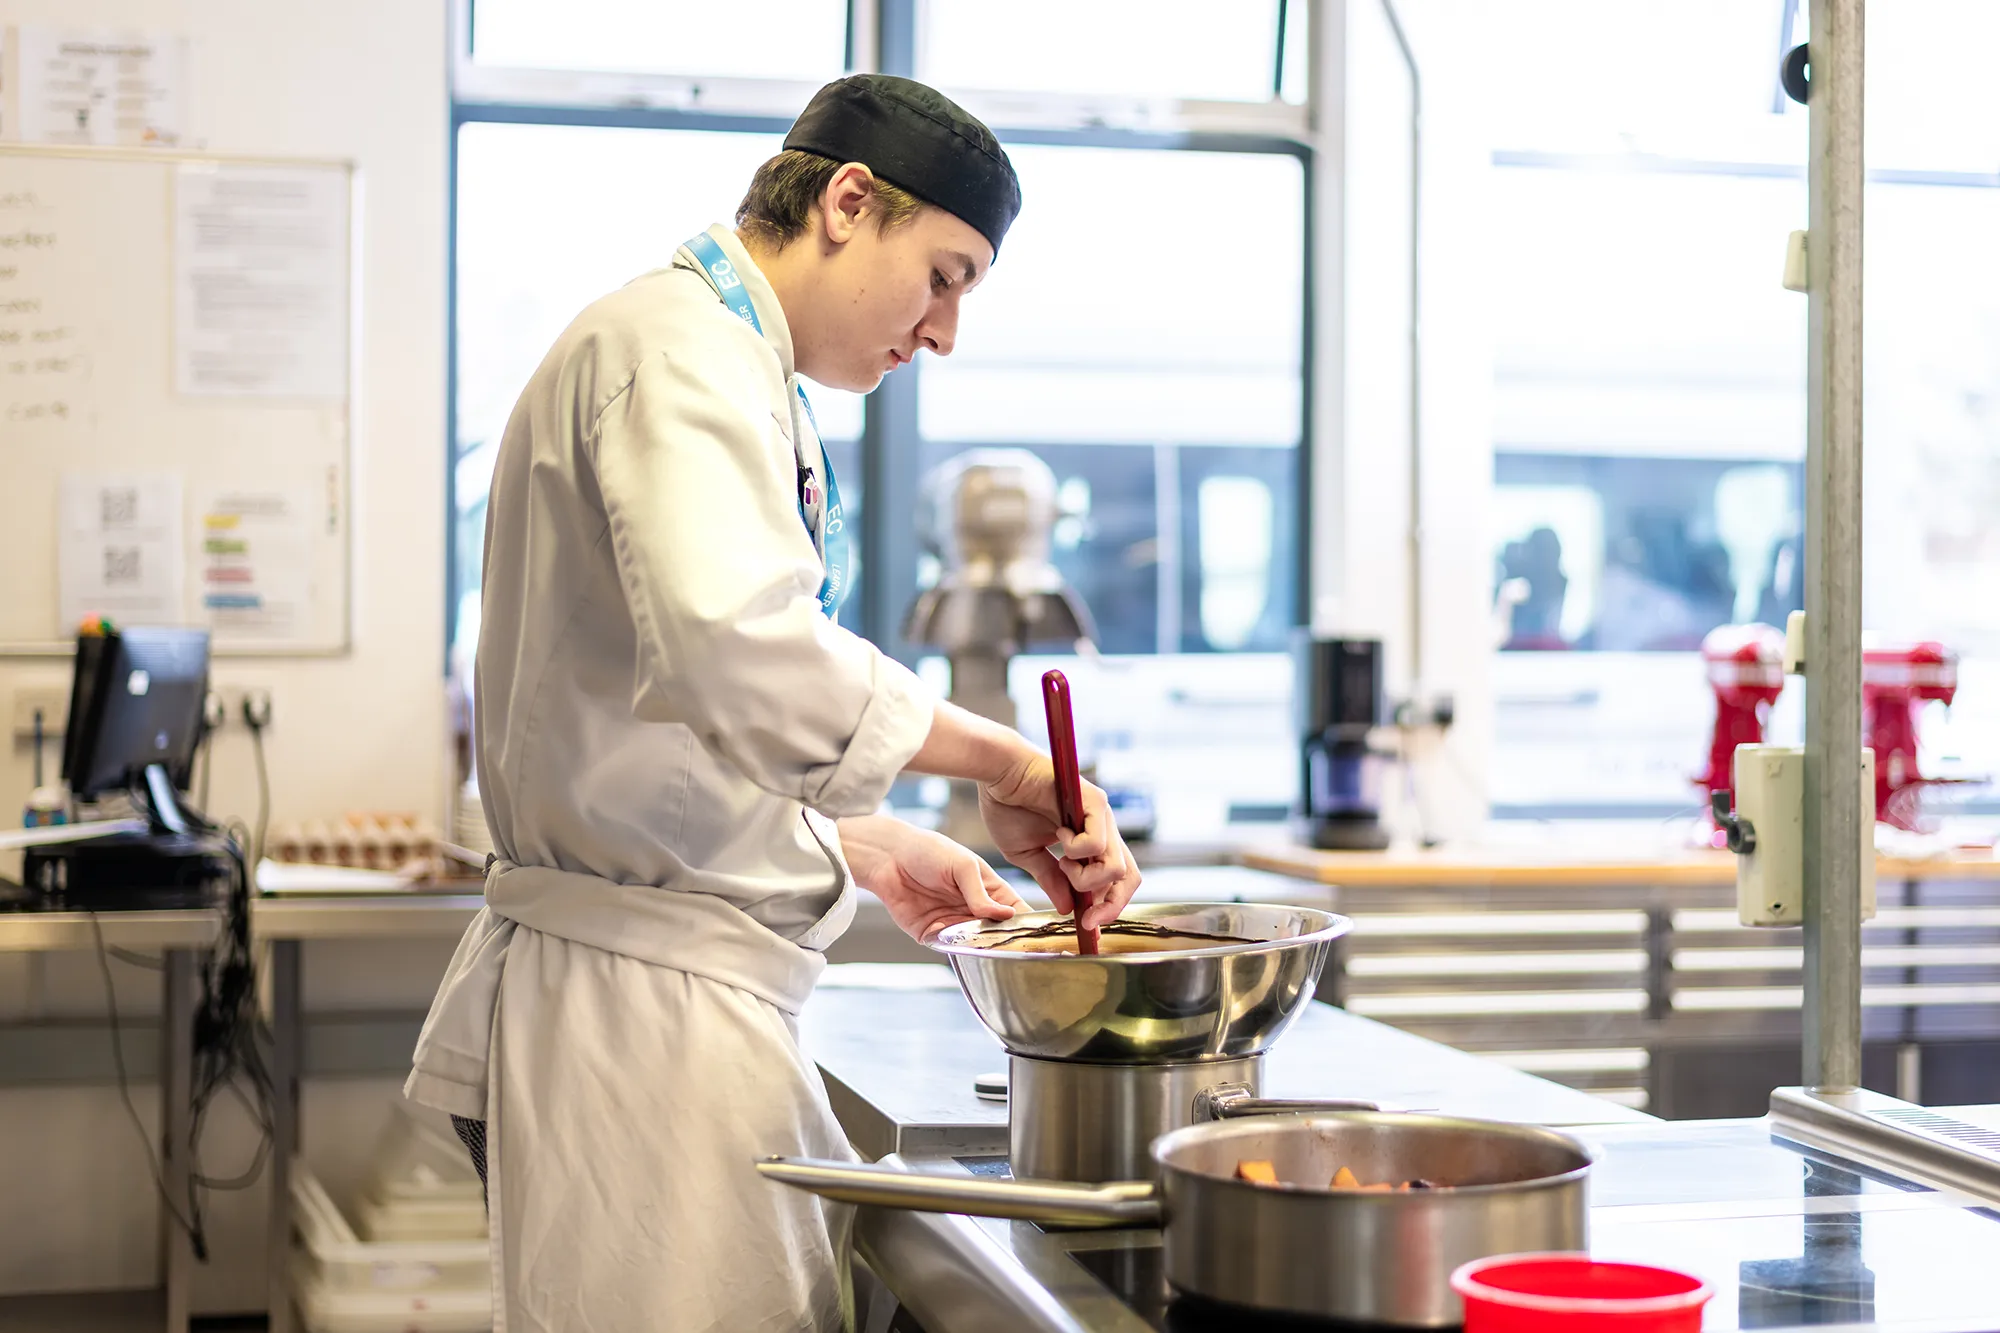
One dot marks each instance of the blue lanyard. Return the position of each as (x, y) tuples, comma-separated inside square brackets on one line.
[(834, 548)]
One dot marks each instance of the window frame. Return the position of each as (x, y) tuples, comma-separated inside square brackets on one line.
[(881, 37)]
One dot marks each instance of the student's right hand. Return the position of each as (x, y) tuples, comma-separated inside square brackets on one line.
[(1020, 809)]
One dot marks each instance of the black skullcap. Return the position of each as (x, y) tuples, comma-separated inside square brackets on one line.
[(917, 138)]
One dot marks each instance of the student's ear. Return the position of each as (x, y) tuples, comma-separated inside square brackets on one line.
[(848, 197)]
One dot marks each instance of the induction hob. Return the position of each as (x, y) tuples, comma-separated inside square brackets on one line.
[(1787, 1238)]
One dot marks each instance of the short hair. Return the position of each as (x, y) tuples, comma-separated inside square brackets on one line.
[(779, 206)]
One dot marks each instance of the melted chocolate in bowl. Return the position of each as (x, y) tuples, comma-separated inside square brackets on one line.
[(1120, 937)]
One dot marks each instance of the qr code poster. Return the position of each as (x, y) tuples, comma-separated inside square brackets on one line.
[(120, 507), (121, 566), (120, 553)]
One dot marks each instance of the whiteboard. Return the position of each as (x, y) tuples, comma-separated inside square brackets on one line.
[(185, 323)]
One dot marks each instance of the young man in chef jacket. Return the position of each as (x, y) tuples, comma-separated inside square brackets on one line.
[(680, 751)]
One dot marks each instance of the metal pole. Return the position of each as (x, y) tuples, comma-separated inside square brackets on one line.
[(1833, 795), (177, 982), (287, 1044), (1415, 539), (1323, 476), (890, 448)]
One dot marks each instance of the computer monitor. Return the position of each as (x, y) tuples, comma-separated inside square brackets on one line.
[(136, 709)]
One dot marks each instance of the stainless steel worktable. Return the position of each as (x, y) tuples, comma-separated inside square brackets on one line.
[(27, 929), (403, 915), (1787, 1237), (179, 935)]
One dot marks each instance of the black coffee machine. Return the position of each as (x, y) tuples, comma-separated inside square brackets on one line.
[(1339, 702)]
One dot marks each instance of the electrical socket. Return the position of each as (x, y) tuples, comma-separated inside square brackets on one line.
[(242, 702), (256, 710), (53, 700)]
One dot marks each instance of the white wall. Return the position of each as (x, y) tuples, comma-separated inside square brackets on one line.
[(1361, 431), (361, 79)]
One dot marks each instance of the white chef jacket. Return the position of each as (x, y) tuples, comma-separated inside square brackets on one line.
[(666, 726)]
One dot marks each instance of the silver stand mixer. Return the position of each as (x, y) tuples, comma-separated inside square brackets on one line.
[(987, 516)]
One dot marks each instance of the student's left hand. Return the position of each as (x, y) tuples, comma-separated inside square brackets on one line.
[(926, 880)]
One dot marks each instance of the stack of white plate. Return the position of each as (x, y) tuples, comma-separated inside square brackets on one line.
[(468, 825)]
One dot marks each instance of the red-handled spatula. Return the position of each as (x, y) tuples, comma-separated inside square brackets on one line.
[(1069, 782)]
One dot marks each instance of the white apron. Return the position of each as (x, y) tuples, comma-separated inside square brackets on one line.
[(667, 725)]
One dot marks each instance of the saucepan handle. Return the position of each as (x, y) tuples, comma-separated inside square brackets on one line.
[(1124, 1203), (1233, 1101)]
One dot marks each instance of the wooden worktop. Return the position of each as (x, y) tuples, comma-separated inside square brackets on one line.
[(1563, 859)]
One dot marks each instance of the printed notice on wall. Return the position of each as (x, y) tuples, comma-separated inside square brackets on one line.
[(255, 562), (119, 549), (260, 281), (80, 86), (44, 368)]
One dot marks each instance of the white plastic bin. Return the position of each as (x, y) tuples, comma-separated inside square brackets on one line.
[(344, 1284), (324, 1310), (418, 1158)]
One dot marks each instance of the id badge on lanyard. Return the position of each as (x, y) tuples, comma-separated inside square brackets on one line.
[(830, 540)]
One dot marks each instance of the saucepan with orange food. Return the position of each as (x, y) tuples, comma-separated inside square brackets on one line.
[(1359, 1215)]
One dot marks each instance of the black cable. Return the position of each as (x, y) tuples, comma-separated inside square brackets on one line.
[(228, 1031), (235, 1055), (263, 792), (258, 1116)]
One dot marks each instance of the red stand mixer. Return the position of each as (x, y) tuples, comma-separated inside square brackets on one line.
[(1896, 683), (1746, 669)]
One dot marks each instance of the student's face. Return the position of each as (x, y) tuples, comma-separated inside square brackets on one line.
[(886, 295)]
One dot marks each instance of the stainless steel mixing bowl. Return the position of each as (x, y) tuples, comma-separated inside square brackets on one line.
[(1225, 1001)]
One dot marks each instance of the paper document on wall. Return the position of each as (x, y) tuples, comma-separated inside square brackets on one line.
[(260, 281), (255, 562), (87, 86), (44, 366), (119, 549)]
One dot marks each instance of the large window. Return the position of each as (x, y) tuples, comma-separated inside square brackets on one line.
[(1162, 388), (794, 39), (1117, 48), (551, 217), (1161, 158), (1649, 420)]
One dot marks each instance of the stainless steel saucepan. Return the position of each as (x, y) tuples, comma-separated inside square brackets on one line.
[(1300, 1247)]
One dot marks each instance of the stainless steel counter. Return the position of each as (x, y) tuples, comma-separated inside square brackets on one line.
[(1787, 1239), (899, 1048), (363, 916), (33, 930)]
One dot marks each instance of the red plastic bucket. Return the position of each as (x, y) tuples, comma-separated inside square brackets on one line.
[(1573, 1293)]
